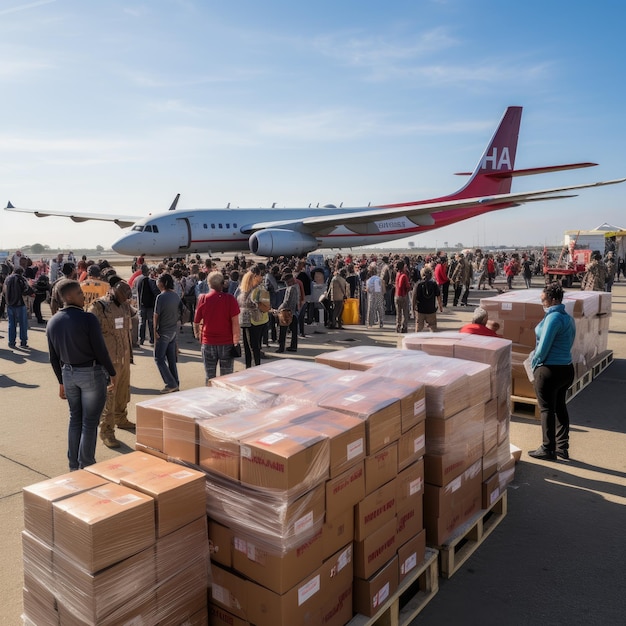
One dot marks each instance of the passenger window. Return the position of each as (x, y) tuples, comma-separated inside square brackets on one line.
[(228, 226), (205, 226), (219, 225), (213, 226)]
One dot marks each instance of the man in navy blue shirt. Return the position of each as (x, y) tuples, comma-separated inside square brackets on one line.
[(82, 365)]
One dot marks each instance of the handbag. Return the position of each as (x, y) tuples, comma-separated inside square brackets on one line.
[(285, 317), (235, 351)]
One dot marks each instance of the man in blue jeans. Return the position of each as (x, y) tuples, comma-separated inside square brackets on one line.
[(15, 288), (166, 316), (82, 365)]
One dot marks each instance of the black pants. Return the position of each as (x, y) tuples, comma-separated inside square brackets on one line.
[(39, 298), (551, 385), (252, 337), (445, 289), (282, 334)]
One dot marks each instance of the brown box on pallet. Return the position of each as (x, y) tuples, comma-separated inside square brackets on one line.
[(346, 436), (490, 462), (39, 498), (344, 491), (301, 604), (293, 458), (375, 550), (146, 613), (103, 526), (336, 580), (180, 436), (337, 532), (179, 549), (183, 595), (410, 483), (38, 569), (121, 466), (490, 429), (273, 567), (411, 445), (39, 610), (446, 508), (411, 555), (375, 510), (229, 591), (220, 543), (370, 594), (93, 597), (178, 492), (410, 519), (219, 617), (381, 467)]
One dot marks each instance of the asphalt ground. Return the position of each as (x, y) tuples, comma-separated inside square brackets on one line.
[(558, 557)]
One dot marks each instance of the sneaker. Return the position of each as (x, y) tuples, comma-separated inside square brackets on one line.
[(110, 441), (563, 454), (167, 389), (542, 453), (126, 425)]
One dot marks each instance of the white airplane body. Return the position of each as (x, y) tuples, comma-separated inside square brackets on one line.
[(297, 231)]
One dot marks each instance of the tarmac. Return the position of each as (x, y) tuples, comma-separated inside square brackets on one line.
[(558, 557)]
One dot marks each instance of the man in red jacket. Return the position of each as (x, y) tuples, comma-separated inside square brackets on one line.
[(481, 325)]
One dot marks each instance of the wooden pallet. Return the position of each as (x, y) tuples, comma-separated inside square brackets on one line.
[(578, 385), (469, 537), (525, 407), (601, 362), (413, 594)]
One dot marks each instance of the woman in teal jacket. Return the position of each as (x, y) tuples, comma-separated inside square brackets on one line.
[(553, 373)]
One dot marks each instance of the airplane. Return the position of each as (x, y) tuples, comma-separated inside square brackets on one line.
[(298, 231)]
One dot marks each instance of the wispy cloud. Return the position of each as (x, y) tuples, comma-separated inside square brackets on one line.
[(13, 69), (25, 7)]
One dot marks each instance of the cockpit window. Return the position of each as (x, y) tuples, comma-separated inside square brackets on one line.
[(138, 228), (155, 229), (147, 229)]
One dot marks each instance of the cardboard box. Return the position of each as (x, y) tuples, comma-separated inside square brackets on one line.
[(179, 549), (337, 532), (336, 597), (145, 614), (39, 498), (371, 594), (292, 459), (180, 437), (344, 491), (523, 387), (346, 436), (220, 617), (381, 467), (220, 438), (490, 462), (375, 550), (446, 508), (121, 466), (490, 430), (375, 510), (228, 591), (410, 520), (410, 483), (299, 605), (39, 577), (220, 543), (444, 435), (276, 569), (37, 611), (126, 585), (103, 526), (183, 595), (411, 555), (178, 492), (411, 445)]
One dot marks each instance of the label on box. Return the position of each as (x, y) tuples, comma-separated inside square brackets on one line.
[(246, 452), (409, 564), (128, 499), (415, 486), (357, 397), (304, 523), (419, 406), (220, 594), (309, 590), (507, 306), (345, 558), (273, 438), (419, 443), (347, 378), (381, 596), (355, 448), (240, 544), (67, 483), (181, 475)]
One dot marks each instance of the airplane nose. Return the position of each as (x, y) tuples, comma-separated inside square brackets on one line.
[(126, 244)]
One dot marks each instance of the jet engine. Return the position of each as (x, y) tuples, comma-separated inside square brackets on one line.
[(281, 242)]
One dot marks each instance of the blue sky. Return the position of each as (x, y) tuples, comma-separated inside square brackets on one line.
[(116, 106)]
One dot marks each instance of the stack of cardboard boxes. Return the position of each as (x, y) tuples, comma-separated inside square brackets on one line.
[(518, 312), (124, 541)]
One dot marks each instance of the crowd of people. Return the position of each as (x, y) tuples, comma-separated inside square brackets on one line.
[(98, 317)]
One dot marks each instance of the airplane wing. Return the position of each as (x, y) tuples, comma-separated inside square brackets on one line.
[(123, 221), (419, 213)]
